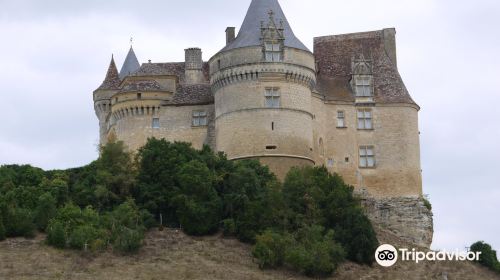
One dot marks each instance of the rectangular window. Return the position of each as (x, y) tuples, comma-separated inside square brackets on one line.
[(364, 87), (139, 96), (340, 119), (156, 123), (199, 118), (365, 119), (366, 157), (329, 162), (272, 52), (272, 98)]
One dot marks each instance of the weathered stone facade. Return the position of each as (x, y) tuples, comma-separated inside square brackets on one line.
[(266, 96)]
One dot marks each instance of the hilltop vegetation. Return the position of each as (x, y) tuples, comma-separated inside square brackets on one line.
[(310, 223)]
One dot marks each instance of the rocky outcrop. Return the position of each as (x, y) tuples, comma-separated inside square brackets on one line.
[(406, 217)]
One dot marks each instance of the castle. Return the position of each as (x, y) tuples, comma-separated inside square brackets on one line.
[(266, 96)]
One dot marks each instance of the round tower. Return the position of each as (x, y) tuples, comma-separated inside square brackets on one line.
[(102, 99), (262, 82)]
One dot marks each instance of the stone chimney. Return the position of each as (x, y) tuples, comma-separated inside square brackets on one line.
[(194, 66), (230, 35), (390, 44)]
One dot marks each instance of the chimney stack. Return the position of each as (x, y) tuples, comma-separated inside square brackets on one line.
[(230, 35), (193, 66), (390, 44)]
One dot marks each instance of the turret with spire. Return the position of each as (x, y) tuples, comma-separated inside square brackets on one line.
[(102, 97), (268, 69), (130, 65)]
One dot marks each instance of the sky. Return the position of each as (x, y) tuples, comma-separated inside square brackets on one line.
[(53, 54)]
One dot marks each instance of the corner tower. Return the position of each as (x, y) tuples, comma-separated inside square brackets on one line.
[(262, 82), (102, 99)]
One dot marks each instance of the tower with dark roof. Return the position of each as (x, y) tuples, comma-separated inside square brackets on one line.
[(262, 82)]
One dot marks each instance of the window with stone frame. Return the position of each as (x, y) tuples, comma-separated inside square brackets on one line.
[(272, 96), (365, 119), (272, 51), (341, 119), (199, 118), (364, 86), (156, 123), (366, 157)]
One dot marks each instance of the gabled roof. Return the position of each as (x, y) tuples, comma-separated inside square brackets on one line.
[(112, 80), (130, 65), (250, 31)]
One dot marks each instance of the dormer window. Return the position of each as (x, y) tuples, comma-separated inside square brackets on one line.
[(362, 78), (272, 38), (272, 52), (363, 86)]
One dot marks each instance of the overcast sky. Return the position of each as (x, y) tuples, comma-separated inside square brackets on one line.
[(53, 54)]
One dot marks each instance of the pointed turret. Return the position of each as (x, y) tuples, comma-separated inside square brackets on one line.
[(258, 15), (112, 80), (130, 65)]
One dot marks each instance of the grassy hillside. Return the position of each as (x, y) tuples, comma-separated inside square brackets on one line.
[(171, 254)]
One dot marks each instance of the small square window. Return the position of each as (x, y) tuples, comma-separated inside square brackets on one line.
[(199, 118), (139, 96), (272, 52), (330, 162), (156, 123), (365, 119), (366, 157), (272, 98)]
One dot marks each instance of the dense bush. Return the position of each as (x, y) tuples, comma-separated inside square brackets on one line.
[(56, 235), (45, 210), (488, 256), (310, 222), (269, 249), (3, 233), (19, 222)]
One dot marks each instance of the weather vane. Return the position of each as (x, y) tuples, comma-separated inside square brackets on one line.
[(131, 41)]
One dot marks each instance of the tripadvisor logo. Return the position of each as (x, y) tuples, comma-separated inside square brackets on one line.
[(387, 255)]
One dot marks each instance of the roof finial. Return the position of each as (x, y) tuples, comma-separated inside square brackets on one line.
[(131, 41)]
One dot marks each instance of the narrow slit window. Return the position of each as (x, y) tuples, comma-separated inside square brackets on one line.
[(340, 119)]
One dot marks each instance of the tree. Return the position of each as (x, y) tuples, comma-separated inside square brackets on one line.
[(488, 256), (198, 205), (45, 211)]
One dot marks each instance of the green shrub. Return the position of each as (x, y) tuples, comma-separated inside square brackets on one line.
[(314, 252), (229, 227), (488, 256), (128, 240), (3, 233), (45, 211), (269, 250), (56, 236), (81, 237), (20, 223), (427, 203)]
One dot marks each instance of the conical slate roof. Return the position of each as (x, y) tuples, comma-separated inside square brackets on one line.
[(130, 65), (250, 31), (112, 80)]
